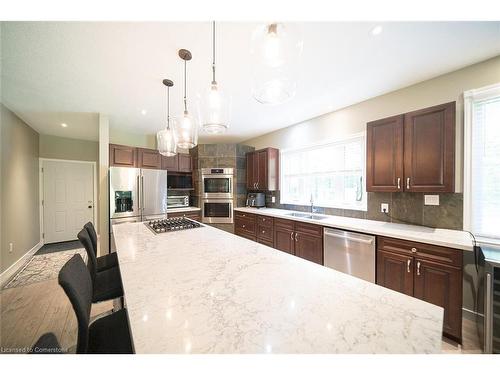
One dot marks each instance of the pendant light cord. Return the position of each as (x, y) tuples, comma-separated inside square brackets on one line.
[(213, 53), (185, 86), (168, 107)]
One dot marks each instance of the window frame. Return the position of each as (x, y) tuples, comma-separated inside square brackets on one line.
[(312, 146), (470, 97)]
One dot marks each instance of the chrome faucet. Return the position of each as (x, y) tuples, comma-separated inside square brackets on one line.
[(313, 210)]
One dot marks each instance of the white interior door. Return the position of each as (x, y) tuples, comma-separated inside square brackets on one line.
[(68, 199)]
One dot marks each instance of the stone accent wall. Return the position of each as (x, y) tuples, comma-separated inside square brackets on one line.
[(403, 208), (229, 155)]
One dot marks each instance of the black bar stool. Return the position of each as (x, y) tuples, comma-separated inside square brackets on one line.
[(108, 335), (104, 262), (46, 344), (106, 284)]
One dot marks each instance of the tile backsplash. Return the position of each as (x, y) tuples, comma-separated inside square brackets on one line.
[(403, 208)]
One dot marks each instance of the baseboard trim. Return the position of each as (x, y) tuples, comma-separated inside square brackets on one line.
[(6, 275)]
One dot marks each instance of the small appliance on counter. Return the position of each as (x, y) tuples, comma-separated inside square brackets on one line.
[(256, 200), (177, 201)]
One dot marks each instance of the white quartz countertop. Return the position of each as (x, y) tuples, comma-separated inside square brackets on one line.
[(204, 290), (456, 239), (183, 209)]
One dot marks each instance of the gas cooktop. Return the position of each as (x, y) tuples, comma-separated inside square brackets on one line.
[(171, 224)]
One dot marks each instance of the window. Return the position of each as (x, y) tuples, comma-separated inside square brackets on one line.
[(332, 173), (482, 163)]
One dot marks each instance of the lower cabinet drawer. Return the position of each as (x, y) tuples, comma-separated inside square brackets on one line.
[(245, 235), (245, 226), (243, 215), (265, 221), (265, 233)]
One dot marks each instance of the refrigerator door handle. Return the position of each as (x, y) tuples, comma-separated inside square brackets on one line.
[(139, 192), (142, 192)]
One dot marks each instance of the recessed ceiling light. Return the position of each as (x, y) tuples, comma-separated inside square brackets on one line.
[(64, 125), (143, 112), (377, 30)]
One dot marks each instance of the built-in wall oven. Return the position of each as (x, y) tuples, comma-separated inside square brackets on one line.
[(217, 211), (217, 183)]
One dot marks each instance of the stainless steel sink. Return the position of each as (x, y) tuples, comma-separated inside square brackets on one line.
[(307, 216)]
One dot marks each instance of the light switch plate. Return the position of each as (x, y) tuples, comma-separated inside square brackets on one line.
[(273, 199), (384, 207), (431, 200)]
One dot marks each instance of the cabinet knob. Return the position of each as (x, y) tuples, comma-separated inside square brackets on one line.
[(263, 231), (413, 250), (264, 219), (243, 226)]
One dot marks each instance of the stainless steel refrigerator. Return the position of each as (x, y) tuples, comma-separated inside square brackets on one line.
[(136, 194)]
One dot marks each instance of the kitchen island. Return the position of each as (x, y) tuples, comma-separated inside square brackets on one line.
[(204, 290)]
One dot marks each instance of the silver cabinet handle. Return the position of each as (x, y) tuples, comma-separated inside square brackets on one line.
[(399, 182), (408, 263), (291, 236), (418, 268), (408, 182), (413, 250), (296, 236)]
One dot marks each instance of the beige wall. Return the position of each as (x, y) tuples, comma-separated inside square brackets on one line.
[(121, 137), (353, 119), (52, 147), (20, 223)]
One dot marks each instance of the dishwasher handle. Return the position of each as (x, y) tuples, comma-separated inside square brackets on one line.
[(348, 238)]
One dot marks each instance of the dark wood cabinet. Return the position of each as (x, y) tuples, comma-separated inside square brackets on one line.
[(429, 155), (384, 163), (412, 152), (245, 225), (395, 271), (147, 158), (427, 272), (194, 215), (185, 163), (263, 170), (170, 163), (283, 235), (122, 156), (309, 247), (436, 283)]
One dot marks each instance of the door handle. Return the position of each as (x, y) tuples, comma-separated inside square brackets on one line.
[(418, 268), (408, 262), (399, 182), (291, 236), (142, 191), (408, 182), (296, 236)]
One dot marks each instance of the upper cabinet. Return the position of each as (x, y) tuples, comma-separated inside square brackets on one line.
[(147, 158), (413, 152), (384, 162), (122, 156), (126, 156), (263, 169)]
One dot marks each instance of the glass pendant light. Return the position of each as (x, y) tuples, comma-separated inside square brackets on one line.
[(276, 51), (165, 138), (186, 127), (215, 107)]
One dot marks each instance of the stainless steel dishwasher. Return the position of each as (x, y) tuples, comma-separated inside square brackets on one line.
[(350, 252)]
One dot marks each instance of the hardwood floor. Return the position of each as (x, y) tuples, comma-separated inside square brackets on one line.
[(29, 311), (470, 340)]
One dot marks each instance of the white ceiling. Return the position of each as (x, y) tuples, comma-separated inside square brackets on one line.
[(55, 72)]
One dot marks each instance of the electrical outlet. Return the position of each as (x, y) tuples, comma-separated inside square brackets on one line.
[(431, 200), (273, 199), (384, 207), (11, 247)]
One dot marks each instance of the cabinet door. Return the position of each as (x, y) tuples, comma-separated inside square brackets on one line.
[(252, 171), (441, 285), (170, 163), (262, 170), (384, 155), (283, 239), (309, 247), (429, 156), (148, 158), (122, 156), (395, 271), (185, 163)]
